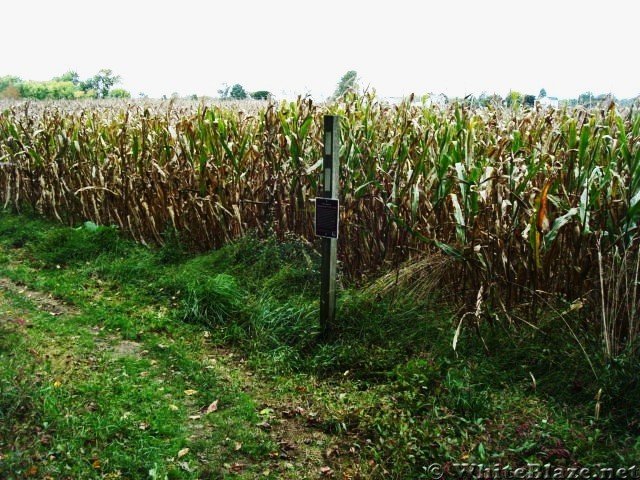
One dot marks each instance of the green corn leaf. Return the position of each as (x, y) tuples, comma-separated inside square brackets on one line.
[(304, 128), (585, 136), (558, 223)]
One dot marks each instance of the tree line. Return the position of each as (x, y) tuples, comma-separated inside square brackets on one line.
[(101, 85), (68, 86)]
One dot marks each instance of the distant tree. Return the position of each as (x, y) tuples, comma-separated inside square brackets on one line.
[(261, 95), (62, 89), (224, 91), (585, 99), (10, 91), (347, 82), (605, 97), (70, 76), (91, 93), (238, 92), (101, 83), (51, 89), (543, 93), (119, 93), (530, 100), (35, 90), (9, 81), (66, 86)]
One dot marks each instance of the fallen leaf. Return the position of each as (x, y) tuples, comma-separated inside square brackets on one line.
[(213, 407), (96, 464), (183, 452), (57, 384), (190, 392), (287, 446), (238, 446), (143, 426), (331, 451), (32, 472), (264, 426), (237, 467), (173, 408), (194, 417), (326, 471), (185, 466)]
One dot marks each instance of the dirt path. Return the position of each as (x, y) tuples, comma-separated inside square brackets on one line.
[(300, 445), (44, 302)]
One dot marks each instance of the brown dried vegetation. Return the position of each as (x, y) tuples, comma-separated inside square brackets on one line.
[(519, 199)]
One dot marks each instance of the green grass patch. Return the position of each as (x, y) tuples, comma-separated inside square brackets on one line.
[(390, 383), (105, 405)]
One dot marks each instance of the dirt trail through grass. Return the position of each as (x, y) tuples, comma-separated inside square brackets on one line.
[(82, 399)]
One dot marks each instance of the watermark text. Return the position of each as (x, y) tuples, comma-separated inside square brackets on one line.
[(530, 471)]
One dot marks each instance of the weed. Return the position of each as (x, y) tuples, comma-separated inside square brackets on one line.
[(470, 400), (212, 300), (173, 249)]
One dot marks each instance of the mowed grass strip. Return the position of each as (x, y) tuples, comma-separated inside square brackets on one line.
[(80, 401)]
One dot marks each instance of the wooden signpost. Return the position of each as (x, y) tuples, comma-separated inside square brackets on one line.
[(327, 222)]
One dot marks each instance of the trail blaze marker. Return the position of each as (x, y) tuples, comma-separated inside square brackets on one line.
[(327, 218), (327, 222)]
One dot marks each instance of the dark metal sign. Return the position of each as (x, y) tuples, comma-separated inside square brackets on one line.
[(327, 217)]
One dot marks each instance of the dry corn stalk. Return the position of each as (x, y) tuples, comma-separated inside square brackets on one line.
[(516, 197)]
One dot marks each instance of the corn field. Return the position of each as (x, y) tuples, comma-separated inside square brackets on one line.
[(516, 202)]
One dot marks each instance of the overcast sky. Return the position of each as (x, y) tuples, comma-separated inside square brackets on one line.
[(290, 47)]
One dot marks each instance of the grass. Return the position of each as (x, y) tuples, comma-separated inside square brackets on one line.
[(81, 401), (98, 391)]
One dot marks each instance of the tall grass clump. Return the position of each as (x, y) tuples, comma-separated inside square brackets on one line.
[(212, 300), (66, 246)]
